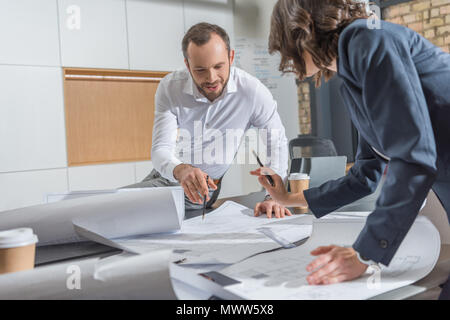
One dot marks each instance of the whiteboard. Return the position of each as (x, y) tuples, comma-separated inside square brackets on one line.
[(252, 55)]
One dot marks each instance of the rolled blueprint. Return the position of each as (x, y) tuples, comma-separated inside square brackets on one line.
[(121, 214)]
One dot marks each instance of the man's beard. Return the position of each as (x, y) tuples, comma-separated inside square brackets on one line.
[(212, 96)]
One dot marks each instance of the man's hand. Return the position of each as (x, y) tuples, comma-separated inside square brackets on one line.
[(334, 264), (270, 207), (193, 181)]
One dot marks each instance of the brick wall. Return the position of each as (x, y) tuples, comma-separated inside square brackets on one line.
[(430, 18), (304, 107)]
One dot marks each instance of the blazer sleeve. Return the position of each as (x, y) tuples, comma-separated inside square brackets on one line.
[(361, 180), (396, 113)]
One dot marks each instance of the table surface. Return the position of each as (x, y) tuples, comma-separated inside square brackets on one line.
[(426, 288)]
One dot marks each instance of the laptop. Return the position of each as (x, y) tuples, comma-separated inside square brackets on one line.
[(320, 169)]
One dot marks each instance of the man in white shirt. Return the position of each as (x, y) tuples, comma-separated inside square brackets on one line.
[(200, 111)]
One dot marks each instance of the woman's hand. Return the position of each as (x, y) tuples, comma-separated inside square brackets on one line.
[(279, 192), (334, 264), (270, 207)]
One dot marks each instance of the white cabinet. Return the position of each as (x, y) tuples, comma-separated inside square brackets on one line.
[(29, 32), (143, 169), (101, 177), (32, 132), (22, 189), (155, 32), (93, 33)]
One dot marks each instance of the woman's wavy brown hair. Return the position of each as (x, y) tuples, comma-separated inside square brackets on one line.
[(313, 26)]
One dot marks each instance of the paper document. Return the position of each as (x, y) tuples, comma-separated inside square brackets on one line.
[(226, 235), (282, 274), (128, 212)]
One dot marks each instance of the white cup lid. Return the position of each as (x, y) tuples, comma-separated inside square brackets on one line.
[(298, 176), (17, 238)]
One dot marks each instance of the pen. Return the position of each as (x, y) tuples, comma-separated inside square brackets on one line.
[(180, 261), (261, 165), (204, 200)]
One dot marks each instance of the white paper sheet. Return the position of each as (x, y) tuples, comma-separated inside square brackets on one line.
[(230, 217), (128, 212), (226, 235), (282, 274), (117, 277)]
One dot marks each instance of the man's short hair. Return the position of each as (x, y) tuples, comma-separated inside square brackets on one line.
[(200, 34)]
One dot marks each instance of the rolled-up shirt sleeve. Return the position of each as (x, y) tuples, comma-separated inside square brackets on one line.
[(164, 136), (396, 115), (272, 132)]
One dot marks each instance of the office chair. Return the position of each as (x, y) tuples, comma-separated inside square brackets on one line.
[(311, 146)]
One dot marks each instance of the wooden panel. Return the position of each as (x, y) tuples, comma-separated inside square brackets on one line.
[(109, 115)]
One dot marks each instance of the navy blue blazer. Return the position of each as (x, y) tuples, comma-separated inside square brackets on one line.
[(396, 86)]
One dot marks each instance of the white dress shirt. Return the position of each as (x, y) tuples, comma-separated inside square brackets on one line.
[(181, 111)]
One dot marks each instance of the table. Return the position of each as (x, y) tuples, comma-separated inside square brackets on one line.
[(426, 288)]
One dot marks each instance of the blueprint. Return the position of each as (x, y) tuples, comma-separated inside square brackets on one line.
[(104, 215), (226, 235), (282, 274)]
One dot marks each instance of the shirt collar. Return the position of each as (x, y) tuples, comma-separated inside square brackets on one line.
[(191, 89), (231, 85)]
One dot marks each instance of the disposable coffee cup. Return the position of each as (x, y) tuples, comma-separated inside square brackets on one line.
[(299, 182), (17, 250)]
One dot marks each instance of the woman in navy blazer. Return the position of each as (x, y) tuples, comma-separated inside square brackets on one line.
[(396, 85)]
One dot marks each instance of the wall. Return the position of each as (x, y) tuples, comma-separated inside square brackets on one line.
[(41, 36), (252, 23), (430, 18), (304, 107)]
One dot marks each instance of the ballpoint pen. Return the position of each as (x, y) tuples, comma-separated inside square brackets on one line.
[(204, 200), (261, 165)]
